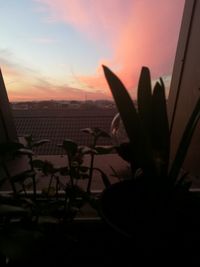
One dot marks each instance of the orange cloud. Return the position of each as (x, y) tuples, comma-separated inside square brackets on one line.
[(138, 32), (24, 84), (38, 92)]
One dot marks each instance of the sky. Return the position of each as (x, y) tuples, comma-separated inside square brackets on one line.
[(54, 49)]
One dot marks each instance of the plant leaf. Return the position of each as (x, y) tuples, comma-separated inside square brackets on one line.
[(40, 142), (160, 130), (96, 132), (25, 151), (70, 146), (87, 150), (104, 177), (88, 131), (139, 151), (184, 143), (100, 133), (102, 150), (144, 99), (124, 104), (29, 139)]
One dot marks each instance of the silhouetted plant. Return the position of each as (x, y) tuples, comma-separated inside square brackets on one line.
[(74, 171), (20, 149), (148, 131), (62, 202), (96, 134), (156, 185), (77, 170)]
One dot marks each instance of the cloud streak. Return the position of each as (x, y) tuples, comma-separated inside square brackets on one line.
[(24, 84), (139, 32)]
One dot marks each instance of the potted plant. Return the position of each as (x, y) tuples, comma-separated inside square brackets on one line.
[(157, 198), (31, 220)]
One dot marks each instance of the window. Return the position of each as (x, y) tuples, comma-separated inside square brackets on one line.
[(65, 52)]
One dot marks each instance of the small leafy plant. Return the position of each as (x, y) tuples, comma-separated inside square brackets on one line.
[(74, 171), (23, 215)]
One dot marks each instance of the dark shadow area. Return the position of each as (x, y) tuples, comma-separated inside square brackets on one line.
[(95, 244)]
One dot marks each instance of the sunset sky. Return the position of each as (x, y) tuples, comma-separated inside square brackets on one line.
[(54, 49)]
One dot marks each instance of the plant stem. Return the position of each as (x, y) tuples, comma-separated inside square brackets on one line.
[(34, 181), (34, 187), (91, 166), (70, 170), (24, 189), (50, 182), (57, 187)]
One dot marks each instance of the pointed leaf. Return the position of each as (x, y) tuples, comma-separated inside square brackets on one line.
[(139, 151), (88, 131), (124, 104), (40, 142), (184, 143), (104, 177), (84, 150), (144, 100), (160, 130), (29, 139), (24, 151)]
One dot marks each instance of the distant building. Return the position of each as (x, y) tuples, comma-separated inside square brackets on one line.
[(58, 125), (20, 106)]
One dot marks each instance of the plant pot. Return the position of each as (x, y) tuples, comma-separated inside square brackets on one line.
[(146, 217), (125, 206)]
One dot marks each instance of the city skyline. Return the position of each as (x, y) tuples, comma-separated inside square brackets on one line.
[(55, 49)]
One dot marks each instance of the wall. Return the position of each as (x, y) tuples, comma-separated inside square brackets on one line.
[(185, 86)]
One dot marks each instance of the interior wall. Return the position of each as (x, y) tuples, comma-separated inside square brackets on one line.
[(185, 86)]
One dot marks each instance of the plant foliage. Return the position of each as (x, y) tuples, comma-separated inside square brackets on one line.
[(147, 128)]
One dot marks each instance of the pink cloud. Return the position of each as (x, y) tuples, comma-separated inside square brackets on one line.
[(139, 32), (150, 38), (94, 18)]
